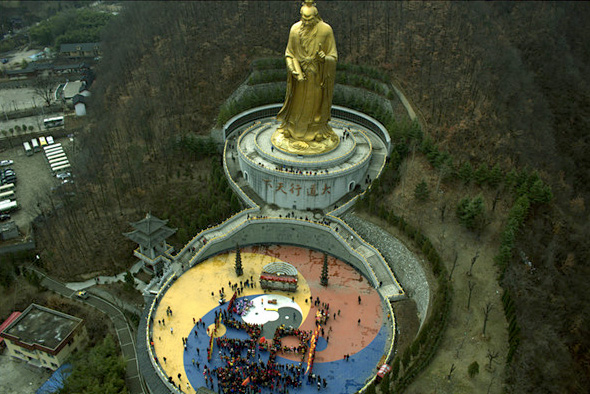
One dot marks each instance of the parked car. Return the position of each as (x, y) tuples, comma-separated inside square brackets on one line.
[(6, 179), (4, 217), (7, 176), (4, 163)]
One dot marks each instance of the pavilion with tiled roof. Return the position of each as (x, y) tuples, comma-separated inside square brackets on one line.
[(150, 234)]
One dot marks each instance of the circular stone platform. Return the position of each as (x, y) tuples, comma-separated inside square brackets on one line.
[(194, 308), (303, 182)]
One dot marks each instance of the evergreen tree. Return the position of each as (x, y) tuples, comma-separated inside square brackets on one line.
[(481, 175), (371, 389), (324, 277), (473, 369), (495, 176), (385, 384), (466, 172), (471, 212), (99, 369), (129, 280), (421, 192), (238, 265)]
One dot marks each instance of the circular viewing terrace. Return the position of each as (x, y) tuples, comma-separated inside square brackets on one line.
[(269, 332)]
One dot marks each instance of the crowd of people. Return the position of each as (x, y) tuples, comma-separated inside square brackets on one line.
[(242, 368), (244, 371)]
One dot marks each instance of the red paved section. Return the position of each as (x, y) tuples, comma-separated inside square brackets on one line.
[(345, 285), (190, 299)]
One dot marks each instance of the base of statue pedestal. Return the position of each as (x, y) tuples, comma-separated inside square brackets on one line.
[(305, 148), (302, 182)]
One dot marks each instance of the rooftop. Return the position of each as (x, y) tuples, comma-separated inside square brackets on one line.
[(81, 46), (71, 89), (41, 326), (150, 231), (6, 322)]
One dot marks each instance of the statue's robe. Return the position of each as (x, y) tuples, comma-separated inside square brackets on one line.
[(306, 111)]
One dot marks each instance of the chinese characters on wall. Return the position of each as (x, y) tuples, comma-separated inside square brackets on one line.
[(296, 189)]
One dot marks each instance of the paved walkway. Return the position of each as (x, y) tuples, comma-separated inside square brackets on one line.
[(122, 327), (190, 298)]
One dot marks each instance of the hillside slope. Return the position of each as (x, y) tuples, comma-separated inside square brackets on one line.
[(494, 83)]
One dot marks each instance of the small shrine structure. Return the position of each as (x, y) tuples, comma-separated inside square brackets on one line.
[(151, 233), (279, 276)]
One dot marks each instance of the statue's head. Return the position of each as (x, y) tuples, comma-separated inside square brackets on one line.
[(309, 14)]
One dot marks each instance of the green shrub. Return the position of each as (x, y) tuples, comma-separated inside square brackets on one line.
[(473, 369), (421, 192), (471, 212)]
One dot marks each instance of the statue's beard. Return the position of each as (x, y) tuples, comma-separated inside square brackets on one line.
[(307, 34)]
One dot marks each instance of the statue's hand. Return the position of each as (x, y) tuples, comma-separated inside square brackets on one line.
[(300, 76), (321, 53)]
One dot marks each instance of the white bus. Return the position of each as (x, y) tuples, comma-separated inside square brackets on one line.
[(54, 153), (52, 146), (8, 206), (9, 195), (35, 145), (53, 122), (59, 169), (28, 150), (6, 188), (58, 163), (57, 160)]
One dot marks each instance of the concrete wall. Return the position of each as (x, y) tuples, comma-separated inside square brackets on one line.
[(294, 191), (287, 231)]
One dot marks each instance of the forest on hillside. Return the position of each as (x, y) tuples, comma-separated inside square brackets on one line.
[(495, 83)]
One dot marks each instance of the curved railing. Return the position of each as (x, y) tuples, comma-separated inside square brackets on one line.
[(338, 112), (360, 162)]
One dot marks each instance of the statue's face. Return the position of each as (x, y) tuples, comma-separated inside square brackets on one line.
[(308, 16)]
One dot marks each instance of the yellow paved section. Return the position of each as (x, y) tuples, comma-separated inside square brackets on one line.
[(190, 297)]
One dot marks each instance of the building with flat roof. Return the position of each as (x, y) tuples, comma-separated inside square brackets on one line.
[(44, 337), (80, 50), (5, 324)]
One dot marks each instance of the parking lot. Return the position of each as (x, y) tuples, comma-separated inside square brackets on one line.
[(34, 181)]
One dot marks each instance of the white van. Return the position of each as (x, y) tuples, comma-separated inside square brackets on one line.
[(28, 150), (35, 145)]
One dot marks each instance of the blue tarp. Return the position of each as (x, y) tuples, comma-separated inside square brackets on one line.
[(56, 381)]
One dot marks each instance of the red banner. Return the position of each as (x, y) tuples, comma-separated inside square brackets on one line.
[(313, 342), (231, 302)]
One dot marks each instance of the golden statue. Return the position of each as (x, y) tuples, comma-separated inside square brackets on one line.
[(311, 64)]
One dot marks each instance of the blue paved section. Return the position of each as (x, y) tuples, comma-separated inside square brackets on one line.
[(341, 376), (56, 380)]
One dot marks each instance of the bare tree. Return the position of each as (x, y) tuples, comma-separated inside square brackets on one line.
[(473, 260), (496, 199), (486, 315), (454, 265), (44, 88), (451, 371), (491, 356), (471, 286)]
